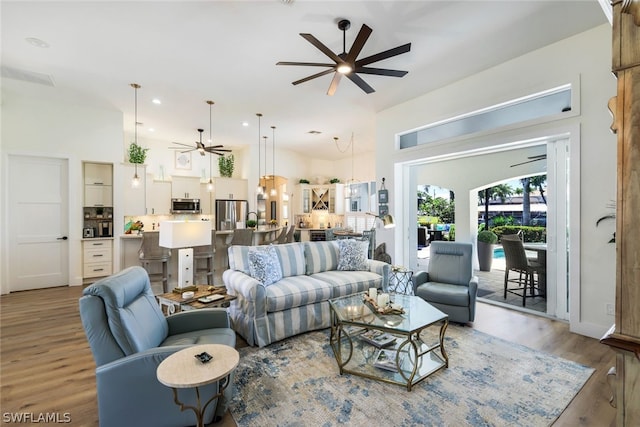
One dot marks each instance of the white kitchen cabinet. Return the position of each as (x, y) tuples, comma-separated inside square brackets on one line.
[(97, 258), (206, 199), (327, 197), (134, 197), (185, 187), (158, 196), (98, 188), (98, 174), (231, 188)]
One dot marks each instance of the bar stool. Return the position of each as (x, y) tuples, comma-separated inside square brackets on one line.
[(205, 252), (151, 252)]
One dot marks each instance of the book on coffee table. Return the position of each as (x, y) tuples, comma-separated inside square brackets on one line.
[(378, 338), (386, 359)]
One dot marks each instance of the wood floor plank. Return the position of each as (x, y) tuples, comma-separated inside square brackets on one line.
[(46, 364)]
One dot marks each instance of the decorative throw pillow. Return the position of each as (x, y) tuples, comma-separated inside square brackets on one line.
[(264, 265), (353, 255)]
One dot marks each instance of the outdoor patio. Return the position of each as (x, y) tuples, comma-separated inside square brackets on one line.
[(491, 286)]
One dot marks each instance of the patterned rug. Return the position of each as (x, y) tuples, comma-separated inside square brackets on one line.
[(489, 382)]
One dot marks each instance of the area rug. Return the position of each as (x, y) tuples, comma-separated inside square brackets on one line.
[(489, 382)]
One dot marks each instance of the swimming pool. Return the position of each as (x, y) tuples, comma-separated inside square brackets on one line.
[(498, 252)]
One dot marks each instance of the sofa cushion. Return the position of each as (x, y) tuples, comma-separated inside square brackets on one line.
[(291, 257), (296, 291), (264, 264), (444, 293), (224, 336), (353, 255), (349, 282), (321, 256), (239, 258)]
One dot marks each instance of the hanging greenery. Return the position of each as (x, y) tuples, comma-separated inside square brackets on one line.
[(137, 154), (225, 165)]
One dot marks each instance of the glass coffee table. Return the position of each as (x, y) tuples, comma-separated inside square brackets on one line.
[(418, 348)]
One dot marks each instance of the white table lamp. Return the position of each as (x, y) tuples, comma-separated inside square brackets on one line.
[(183, 235)]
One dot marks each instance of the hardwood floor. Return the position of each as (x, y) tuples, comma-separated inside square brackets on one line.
[(47, 367)]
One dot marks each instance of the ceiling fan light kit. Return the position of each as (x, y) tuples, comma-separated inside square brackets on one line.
[(200, 147), (347, 64)]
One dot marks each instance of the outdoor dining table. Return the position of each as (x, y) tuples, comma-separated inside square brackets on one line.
[(541, 258)]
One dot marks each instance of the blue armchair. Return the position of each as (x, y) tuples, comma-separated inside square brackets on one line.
[(449, 285), (129, 337)]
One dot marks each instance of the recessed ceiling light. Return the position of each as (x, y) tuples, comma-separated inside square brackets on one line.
[(37, 42), (245, 124), (156, 101), (152, 130), (314, 132)]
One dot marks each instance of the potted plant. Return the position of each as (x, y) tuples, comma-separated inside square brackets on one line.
[(486, 241), (303, 181), (225, 165), (251, 223), (137, 154), (334, 181)]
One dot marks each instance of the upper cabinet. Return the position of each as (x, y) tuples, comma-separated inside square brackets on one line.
[(328, 198), (98, 184), (231, 188), (185, 187), (134, 197), (158, 195)]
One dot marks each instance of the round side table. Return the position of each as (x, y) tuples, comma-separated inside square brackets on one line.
[(184, 370), (400, 280)]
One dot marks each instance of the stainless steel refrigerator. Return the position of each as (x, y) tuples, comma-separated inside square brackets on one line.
[(230, 214)]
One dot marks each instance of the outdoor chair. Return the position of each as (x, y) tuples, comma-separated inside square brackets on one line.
[(516, 260), (449, 285)]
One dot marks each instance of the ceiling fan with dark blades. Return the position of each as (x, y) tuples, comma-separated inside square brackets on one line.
[(532, 159), (347, 64), (200, 147)]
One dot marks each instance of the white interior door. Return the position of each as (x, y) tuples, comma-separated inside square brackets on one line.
[(38, 222)]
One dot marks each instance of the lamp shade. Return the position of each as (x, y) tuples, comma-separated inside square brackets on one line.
[(387, 221), (184, 234)]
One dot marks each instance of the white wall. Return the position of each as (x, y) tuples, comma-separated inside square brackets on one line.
[(583, 60), (40, 123)]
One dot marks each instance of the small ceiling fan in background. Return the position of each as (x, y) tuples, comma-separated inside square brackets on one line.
[(531, 159), (347, 63), (200, 147)]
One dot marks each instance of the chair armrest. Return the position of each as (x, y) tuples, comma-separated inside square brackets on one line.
[(473, 293), (129, 392), (418, 279), (193, 320)]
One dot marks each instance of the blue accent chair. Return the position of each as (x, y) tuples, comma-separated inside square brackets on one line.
[(129, 337), (449, 285)]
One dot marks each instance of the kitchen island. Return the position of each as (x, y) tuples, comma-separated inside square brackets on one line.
[(130, 244)]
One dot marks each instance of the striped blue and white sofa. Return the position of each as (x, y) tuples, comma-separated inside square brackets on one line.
[(299, 302)]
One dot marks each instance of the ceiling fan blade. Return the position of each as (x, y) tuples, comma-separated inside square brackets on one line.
[(213, 149), (180, 143), (381, 71), (306, 79), (306, 64), (384, 55), (188, 151), (538, 157), (214, 146), (334, 84), (319, 45), (361, 83), (358, 44)]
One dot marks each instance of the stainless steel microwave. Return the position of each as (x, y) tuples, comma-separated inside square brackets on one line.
[(185, 206)]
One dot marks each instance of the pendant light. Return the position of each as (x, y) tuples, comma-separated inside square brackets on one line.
[(274, 192), (135, 181), (264, 189), (259, 186), (210, 183)]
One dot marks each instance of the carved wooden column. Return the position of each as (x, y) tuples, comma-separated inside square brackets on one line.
[(624, 336)]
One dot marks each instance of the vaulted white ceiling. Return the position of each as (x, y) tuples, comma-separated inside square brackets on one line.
[(185, 53)]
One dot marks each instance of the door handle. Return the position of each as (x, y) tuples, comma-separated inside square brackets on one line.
[(62, 238)]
